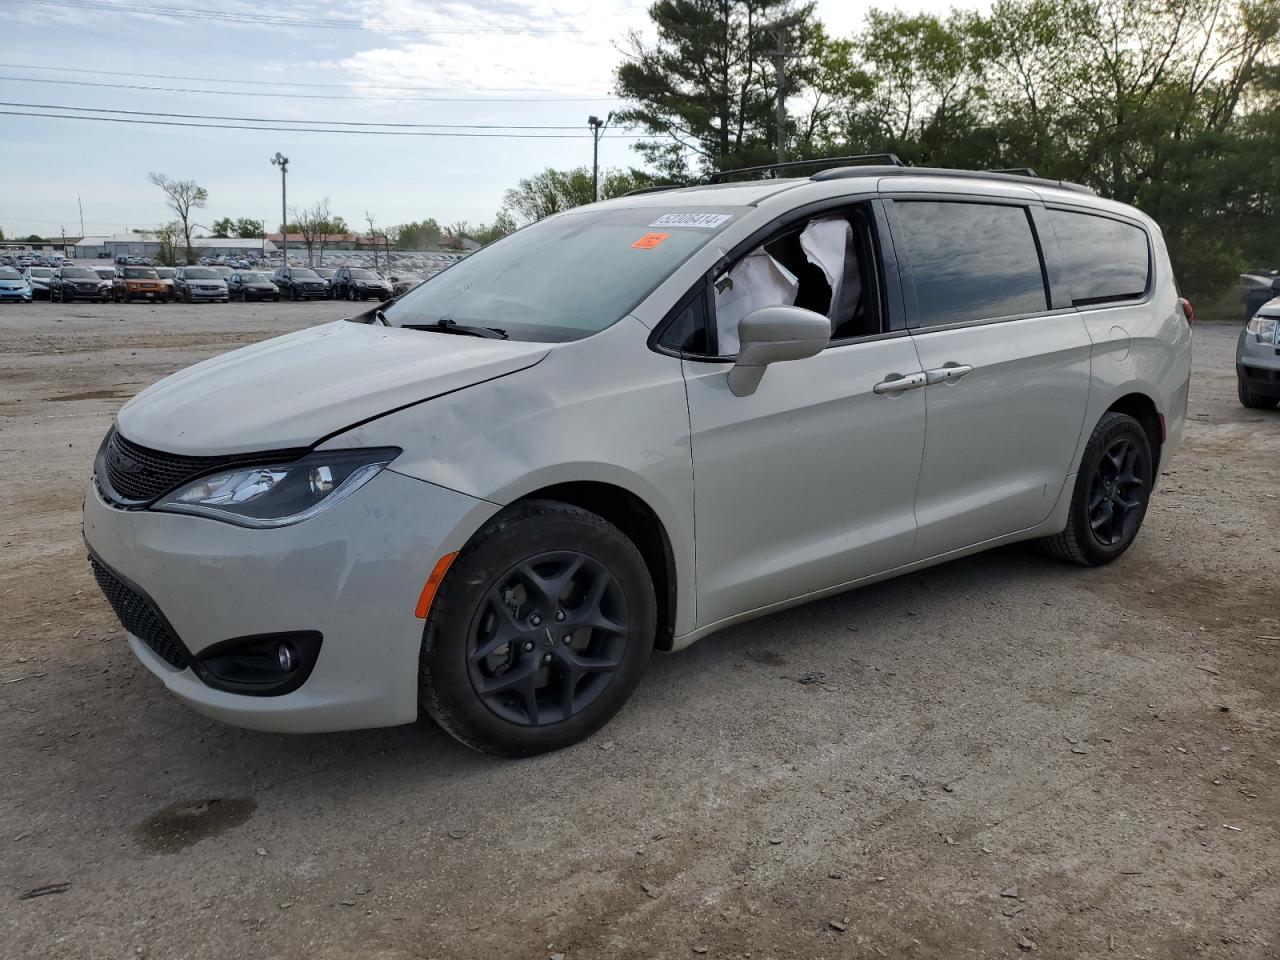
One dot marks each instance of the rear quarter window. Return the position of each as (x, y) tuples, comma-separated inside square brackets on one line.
[(967, 261), (1105, 260)]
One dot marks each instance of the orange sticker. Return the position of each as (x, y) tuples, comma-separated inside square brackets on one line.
[(649, 241)]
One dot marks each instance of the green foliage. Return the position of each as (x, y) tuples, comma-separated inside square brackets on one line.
[(422, 235), (1170, 105), (552, 191)]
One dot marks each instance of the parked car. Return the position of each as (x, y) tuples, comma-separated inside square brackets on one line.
[(1257, 286), (249, 285), (14, 286), (78, 283), (192, 284), (357, 283), (38, 278), (482, 501), (403, 283), (222, 270), (139, 283), (1258, 359), (106, 273), (166, 275), (300, 283), (326, 274)]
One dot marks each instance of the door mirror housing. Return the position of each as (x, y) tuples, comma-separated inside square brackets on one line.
[(772, 335)]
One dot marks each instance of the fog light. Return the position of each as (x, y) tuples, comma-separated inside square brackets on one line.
[(287, 657), (321, 481)]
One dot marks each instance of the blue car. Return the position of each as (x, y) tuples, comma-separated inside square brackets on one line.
[(13, 286)]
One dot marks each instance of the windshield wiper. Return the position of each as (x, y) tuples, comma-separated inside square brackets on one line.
[(448, 325)]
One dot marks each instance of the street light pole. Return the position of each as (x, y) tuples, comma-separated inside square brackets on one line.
[(281, 161), (596, 125)]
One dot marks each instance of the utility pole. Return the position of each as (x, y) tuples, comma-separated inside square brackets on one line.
[(64, 241), (780, 55), (81, 203), (281, 161), (597, 126)]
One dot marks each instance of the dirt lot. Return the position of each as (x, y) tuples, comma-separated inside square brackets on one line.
[(997, 753)]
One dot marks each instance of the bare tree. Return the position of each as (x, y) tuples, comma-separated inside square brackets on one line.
[(317, 224), (374, 235), (184, 196)]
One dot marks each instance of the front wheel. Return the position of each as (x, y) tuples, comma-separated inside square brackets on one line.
[(1110, 497), (539, 632)]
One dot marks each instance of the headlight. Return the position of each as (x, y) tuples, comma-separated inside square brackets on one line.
[(276, 495), (1264, 328)]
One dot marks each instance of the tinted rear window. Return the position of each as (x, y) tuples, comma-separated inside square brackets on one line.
[(1105, 259), (968, 261)]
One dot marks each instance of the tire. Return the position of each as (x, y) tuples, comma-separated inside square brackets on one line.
[(276, 298), (548, 537), (1120, 505), (1253, 400)]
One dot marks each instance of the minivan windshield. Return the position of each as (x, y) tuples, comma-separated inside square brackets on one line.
[(566, 277), (202, 273)]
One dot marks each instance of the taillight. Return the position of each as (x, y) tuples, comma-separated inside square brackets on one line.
[(1188, 311)]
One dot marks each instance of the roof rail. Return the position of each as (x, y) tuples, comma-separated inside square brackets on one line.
[(846, 173), (884, 158), (1017, 171), (657, 188)]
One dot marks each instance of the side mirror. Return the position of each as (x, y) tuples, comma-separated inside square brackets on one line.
[(772, 335)]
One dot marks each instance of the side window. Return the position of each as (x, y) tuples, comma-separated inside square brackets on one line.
[(967, 261), (825, 263), (1105, 260)]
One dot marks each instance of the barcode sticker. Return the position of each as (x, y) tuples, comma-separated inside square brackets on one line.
[(707, 221)]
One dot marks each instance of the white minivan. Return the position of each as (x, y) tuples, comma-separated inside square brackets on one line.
[(631, 425)]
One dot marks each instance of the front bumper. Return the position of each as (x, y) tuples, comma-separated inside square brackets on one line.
[(353, 573), (1258, 365), (24, 295)]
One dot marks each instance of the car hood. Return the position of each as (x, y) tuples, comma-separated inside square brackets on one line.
[(292, 391)]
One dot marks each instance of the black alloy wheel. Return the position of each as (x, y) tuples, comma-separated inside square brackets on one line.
[(547, 638), (1111, 493), (1118, 492), (539, 632)]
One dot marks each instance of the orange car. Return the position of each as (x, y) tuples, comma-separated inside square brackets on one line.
[(139, 283)]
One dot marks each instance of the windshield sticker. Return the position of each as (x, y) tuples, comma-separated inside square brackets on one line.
[(707, 221), (649, 241)]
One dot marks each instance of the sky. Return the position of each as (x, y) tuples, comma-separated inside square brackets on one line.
[(482, 63)]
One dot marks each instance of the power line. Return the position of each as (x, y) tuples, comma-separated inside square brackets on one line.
[(277, 81), (293, 96), (326, 123), (367, 133), (278, 20)]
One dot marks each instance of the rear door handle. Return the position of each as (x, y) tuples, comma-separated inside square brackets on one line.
[(896, 383), (947, 373)]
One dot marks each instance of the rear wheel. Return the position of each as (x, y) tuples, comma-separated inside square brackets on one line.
[(539, 633), (1110, 497), (1253, 400)]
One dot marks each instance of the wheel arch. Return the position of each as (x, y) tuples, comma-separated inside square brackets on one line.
[(640, 524), (1143, 408)]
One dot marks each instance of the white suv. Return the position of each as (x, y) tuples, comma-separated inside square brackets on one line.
[(629, 426)]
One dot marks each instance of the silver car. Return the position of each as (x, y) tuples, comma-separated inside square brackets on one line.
[(629, 426), (1258, 359)]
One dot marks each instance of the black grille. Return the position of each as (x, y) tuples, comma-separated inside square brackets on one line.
[(140, 616), (139, 475)]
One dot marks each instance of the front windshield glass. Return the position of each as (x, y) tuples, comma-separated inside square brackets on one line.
[(364, 275), (302, 273), (566, 277), (105, 272), (140, 273), (253, 278), (42, 271), (79, 273), (166, 273), (8, 273), (202, 273)]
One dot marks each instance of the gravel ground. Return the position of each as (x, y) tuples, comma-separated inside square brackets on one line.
[(996, 756)]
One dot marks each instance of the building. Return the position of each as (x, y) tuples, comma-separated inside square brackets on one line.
[(146, 245)]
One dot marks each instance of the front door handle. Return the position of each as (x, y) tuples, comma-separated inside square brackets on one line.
[(947, 373), (896, 383)]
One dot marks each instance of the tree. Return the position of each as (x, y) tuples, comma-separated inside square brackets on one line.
[(167, 235), (552, 191), (317, 224), (246, 228), (184, 196), (223, 228), (706, 88), (423, 235)]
